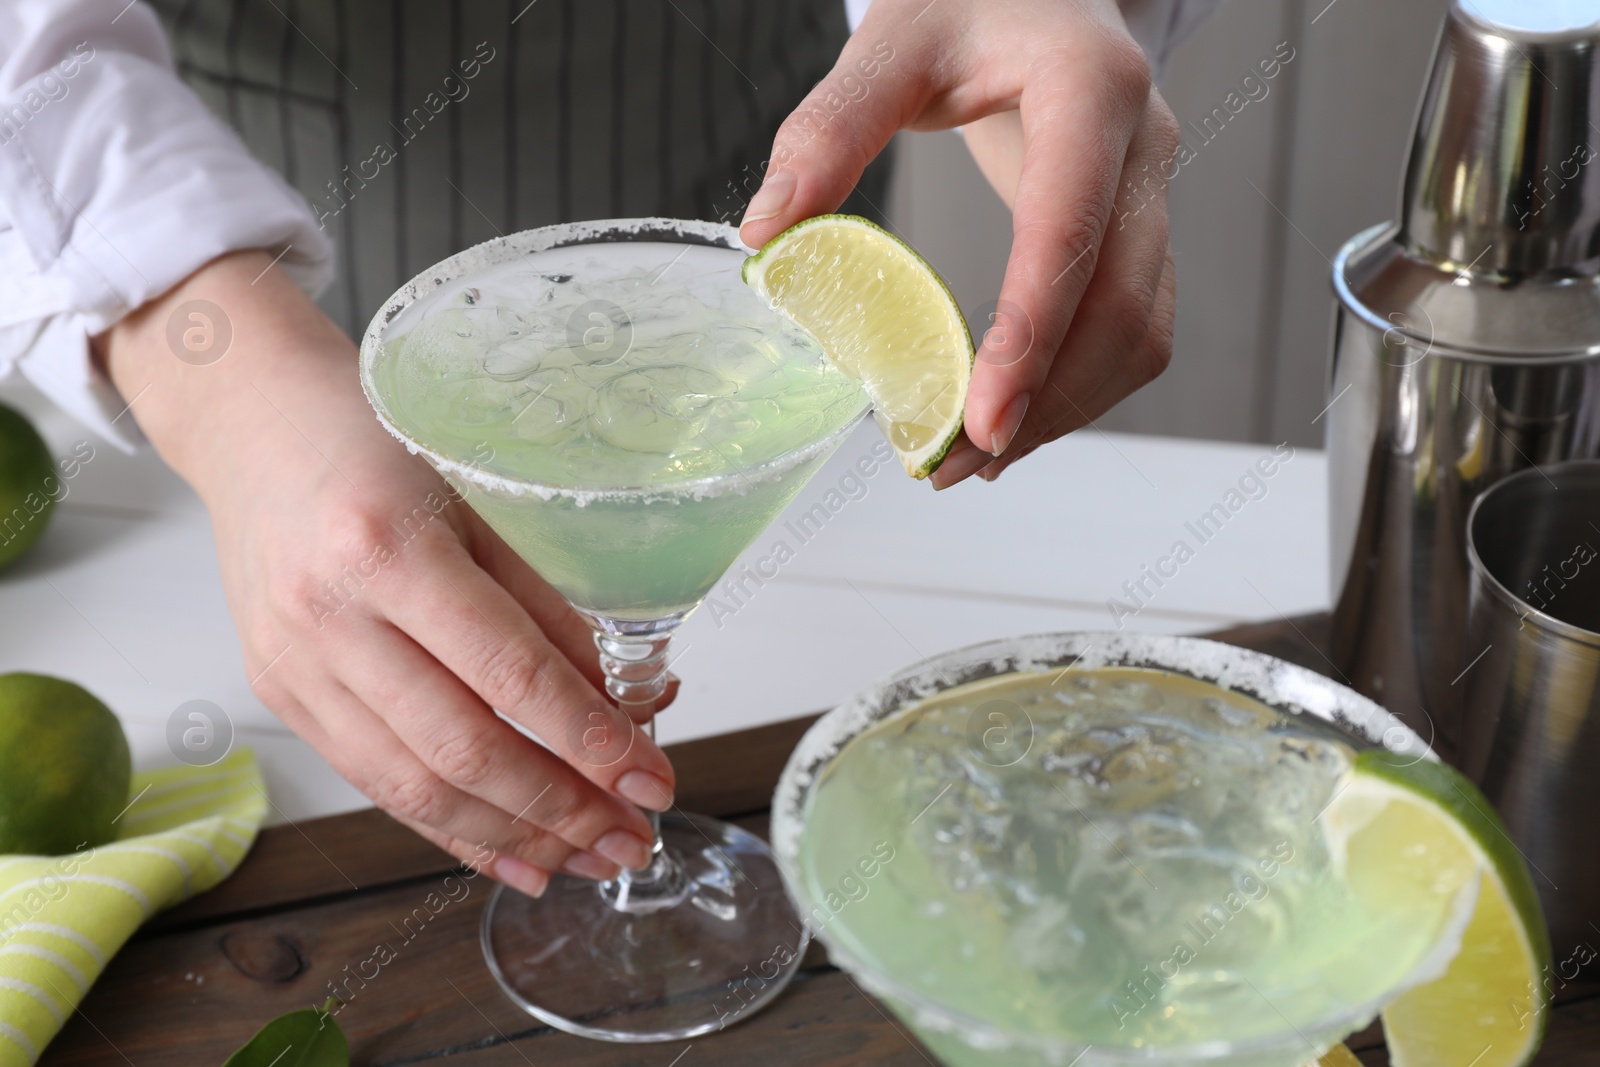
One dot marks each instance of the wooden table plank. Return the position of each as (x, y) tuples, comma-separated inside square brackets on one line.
[(431, 996), (312, 902)]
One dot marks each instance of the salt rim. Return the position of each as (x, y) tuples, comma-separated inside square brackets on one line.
[(509, 247), (1280, 685)]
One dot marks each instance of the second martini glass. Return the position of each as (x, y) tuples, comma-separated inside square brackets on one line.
[(680, 354)]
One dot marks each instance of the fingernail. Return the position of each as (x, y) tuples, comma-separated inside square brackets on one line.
[(621, 847), (588, 865), (523, 877), (1010, 419), (645, 790), (992, 471), (959, 466), (773, 196)]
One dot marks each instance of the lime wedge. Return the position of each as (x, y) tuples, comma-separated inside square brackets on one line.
[(884, 317), (1413, 829)]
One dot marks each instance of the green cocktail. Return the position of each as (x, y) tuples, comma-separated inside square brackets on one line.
[(1080, 849), (632, 416), (615, 403)]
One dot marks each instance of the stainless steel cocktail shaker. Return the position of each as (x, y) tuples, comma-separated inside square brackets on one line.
[(1467, 339)]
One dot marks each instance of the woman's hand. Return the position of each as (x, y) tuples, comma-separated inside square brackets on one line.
[(381, 619), (1058, 109)]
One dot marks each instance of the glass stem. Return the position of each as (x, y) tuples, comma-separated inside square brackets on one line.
[(635, 666)]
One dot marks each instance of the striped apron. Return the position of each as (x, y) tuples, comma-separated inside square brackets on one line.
[(416, 128)]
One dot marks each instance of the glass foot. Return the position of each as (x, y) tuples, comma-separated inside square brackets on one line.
[(729, 944)]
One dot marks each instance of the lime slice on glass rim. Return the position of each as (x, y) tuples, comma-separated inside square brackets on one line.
[(885, 318), (1408, 829)]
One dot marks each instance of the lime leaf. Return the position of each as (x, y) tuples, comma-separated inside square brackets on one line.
[(306, 1038)]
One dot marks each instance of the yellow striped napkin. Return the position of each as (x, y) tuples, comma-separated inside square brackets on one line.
[(62, 917)]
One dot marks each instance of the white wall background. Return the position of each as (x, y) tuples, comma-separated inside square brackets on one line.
[(1256, 216)]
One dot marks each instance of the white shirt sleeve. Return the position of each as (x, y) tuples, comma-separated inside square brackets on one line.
[(116, 183), (1158, 25)]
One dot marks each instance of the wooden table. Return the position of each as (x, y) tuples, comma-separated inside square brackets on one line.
[(315, 899)]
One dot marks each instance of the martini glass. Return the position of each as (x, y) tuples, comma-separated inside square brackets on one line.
[(1001, 766), (668, 469)]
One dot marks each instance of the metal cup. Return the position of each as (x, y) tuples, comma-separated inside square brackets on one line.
[(1531, 722)]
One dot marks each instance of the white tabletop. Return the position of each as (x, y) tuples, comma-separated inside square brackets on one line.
[(122, 594)]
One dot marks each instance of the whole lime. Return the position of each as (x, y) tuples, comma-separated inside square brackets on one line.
[(28, 484), (64, 767)]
